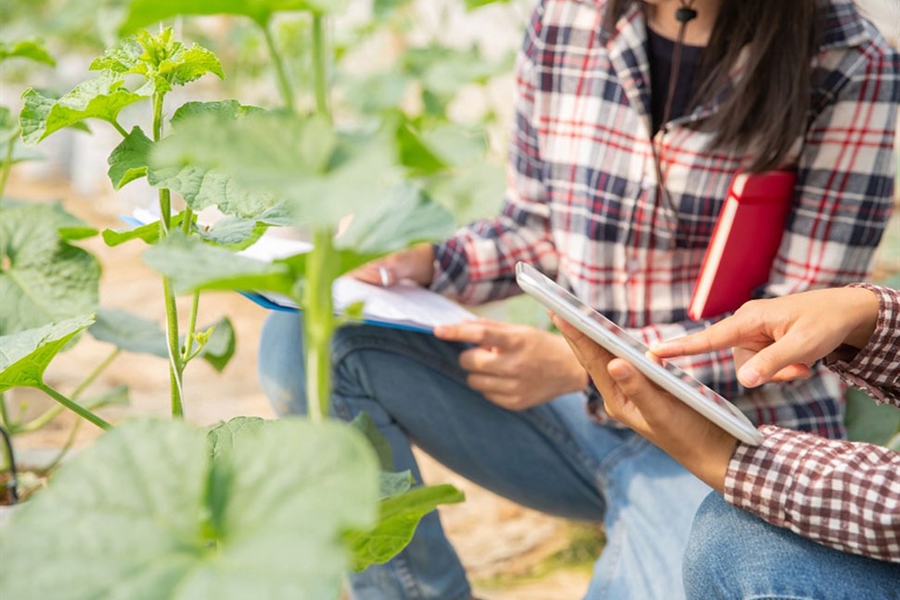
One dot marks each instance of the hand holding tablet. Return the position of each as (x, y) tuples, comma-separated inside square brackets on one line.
[(618, 342)]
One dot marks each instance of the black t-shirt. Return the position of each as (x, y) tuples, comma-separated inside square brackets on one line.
[(660, 51)]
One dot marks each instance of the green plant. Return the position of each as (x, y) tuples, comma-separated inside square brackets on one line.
[(306, 171)]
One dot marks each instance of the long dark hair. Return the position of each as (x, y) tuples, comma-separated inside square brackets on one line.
[(769, 108)]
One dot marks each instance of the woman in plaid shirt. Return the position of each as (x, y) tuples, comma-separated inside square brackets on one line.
[(843, 495), (616, 178)]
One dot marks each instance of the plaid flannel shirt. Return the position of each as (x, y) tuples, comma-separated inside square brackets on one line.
[(842, 494), (581, 202)]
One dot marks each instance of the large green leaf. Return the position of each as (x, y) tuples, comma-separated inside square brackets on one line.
[(24, 356), (146, 513), (101, 98), (148, 12), (325, 175), (398, 518), (43, 278), (408, 218), (193, 265), (201, 185), (222, 438), (30, 49)]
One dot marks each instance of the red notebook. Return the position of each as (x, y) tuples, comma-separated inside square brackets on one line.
[(744, 242)]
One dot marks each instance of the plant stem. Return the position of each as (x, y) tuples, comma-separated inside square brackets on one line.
[(176, 365), (119, 128), (7, 161), (65, 449), (284, 84), (74, 407), (40, 421), (4, 415), (192, 326), (95, 373), (319, 322), (319, 63)]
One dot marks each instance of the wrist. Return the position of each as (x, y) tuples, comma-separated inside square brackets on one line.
[(865, 309)]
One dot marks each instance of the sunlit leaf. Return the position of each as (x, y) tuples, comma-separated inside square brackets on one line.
[(24, 356), (148, 12), (398, 518), (30, 49), (101, 98)]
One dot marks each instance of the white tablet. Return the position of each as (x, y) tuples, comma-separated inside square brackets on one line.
[(612, 337)]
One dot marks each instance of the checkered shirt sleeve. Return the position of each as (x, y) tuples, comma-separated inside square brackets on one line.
[(876, 368), (582, 203), (845, 495)]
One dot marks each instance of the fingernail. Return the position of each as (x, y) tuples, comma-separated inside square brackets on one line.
[(619, 372), (440, 330), (749, 376)]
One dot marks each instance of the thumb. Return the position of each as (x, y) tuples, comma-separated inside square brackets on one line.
[(633, 384), (763, 366)]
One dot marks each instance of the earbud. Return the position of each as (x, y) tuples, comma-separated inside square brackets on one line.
[(685, 14)]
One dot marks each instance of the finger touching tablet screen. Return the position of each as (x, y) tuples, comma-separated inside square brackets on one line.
[(617, 341)]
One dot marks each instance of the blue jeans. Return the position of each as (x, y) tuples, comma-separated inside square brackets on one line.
[(735, 555), (551, 458)]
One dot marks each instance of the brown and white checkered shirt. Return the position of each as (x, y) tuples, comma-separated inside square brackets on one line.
[(845, 495)]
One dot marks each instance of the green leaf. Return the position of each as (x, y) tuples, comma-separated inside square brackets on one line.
[(202, 185), (147, 12), (43, 278), (398, 518), (9, 128), (220, 346), (30, 49), (473, 4), (409, 218), (101, 98), (129, 332), (364, 424), (149, 232), (222, 438), (867, 421), (132, 333), (162, 60), (146, 512), (394, 484), (24, 356), (193, 265), (414, 153), (128, 161), (286, 155), (221, 109)]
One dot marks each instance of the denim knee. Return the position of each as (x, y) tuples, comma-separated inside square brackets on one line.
[(713, 555)]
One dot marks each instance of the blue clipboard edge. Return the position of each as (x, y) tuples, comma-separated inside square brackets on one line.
[(266, 303)]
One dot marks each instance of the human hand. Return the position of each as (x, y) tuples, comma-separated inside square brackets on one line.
[(415, 263), (690, 438), (779, 339), (515, 366)]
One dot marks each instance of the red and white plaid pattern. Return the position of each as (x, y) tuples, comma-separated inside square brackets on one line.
[(845, 495), (581, 204)]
